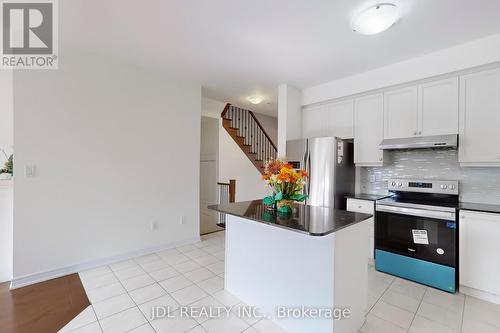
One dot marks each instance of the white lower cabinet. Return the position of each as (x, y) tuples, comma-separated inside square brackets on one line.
[(366, 207), (479, 251)]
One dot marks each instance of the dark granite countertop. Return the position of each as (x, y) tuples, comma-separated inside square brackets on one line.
[(487, 208), (370, 197), (312, 220)]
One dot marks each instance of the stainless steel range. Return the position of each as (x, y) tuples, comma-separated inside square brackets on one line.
[(416, 235)]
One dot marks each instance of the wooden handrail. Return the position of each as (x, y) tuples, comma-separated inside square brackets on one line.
[(226, 108), (262, 128)]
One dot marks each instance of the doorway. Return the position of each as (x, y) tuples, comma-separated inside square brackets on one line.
[(209, 146)]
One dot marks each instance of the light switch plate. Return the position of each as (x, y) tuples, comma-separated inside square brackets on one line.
[(29, 171)]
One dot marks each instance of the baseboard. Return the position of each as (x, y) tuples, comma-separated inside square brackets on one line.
[(27, 280), (485, 296)]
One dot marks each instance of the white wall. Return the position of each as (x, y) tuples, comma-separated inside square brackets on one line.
[(472, 54), (233, 163), (115, 148), (6, 225), (270, 125), (209, 139), (289, 116), (6, 205), (6, 114), (208, 174)]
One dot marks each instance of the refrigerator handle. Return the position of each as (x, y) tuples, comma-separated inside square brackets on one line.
[(307, 167)]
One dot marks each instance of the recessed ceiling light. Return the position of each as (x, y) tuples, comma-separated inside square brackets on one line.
[(255, 99), (376, 19)]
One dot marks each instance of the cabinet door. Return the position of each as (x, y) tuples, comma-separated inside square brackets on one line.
[(341, 119), (480, 118), (479, 250), (400, 113), (438, 107), (366, 207), (314, 121), (368, 129)]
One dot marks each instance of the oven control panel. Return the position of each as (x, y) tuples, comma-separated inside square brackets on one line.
[(425, 186)]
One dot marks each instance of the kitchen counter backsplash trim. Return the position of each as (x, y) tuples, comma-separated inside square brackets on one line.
[(477, 184)]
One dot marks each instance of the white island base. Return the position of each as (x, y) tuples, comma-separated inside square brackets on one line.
[(269, 267)]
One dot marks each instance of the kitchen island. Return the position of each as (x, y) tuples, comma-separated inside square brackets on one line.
[(307, 271)]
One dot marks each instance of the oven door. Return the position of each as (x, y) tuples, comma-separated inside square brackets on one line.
[(419, 233)]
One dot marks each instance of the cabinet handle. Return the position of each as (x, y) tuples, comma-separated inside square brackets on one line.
[(381, 159), (360, 207), (414, 133), (419, 133)]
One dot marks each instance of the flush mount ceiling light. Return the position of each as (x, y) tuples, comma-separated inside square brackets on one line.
[(255, 99), (376, 19)]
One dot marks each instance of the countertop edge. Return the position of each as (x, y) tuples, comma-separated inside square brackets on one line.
[(366, 217), (478, 207), (367, 197)]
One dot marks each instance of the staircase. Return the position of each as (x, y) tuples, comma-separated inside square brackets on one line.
[(249, 135)]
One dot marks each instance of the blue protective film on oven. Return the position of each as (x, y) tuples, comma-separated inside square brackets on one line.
[(425, 272)]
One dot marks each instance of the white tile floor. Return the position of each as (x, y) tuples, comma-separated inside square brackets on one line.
[(123, 294)]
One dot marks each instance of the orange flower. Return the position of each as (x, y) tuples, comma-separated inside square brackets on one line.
[(284, 177)]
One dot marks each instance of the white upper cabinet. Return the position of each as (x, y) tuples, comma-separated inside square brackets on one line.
[(400, 113), (368, 130), (423, 110), (341, 119), (480, 119), (438, 107), (333, 119), (315, 121)]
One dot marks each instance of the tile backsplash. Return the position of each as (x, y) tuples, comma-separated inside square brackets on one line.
[(480, 185)]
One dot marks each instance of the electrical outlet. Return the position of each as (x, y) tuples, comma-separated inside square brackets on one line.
[(29, 171), (154, 225), (372, 179), (183, 219)]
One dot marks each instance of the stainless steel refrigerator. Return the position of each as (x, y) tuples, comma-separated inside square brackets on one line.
[(330, 164)]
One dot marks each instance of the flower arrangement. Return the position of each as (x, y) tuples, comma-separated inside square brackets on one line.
[(9, 165), (286, 182)]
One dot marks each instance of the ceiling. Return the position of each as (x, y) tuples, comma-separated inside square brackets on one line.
[(239, 48)]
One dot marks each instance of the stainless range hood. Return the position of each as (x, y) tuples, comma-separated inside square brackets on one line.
[(436, 141)]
